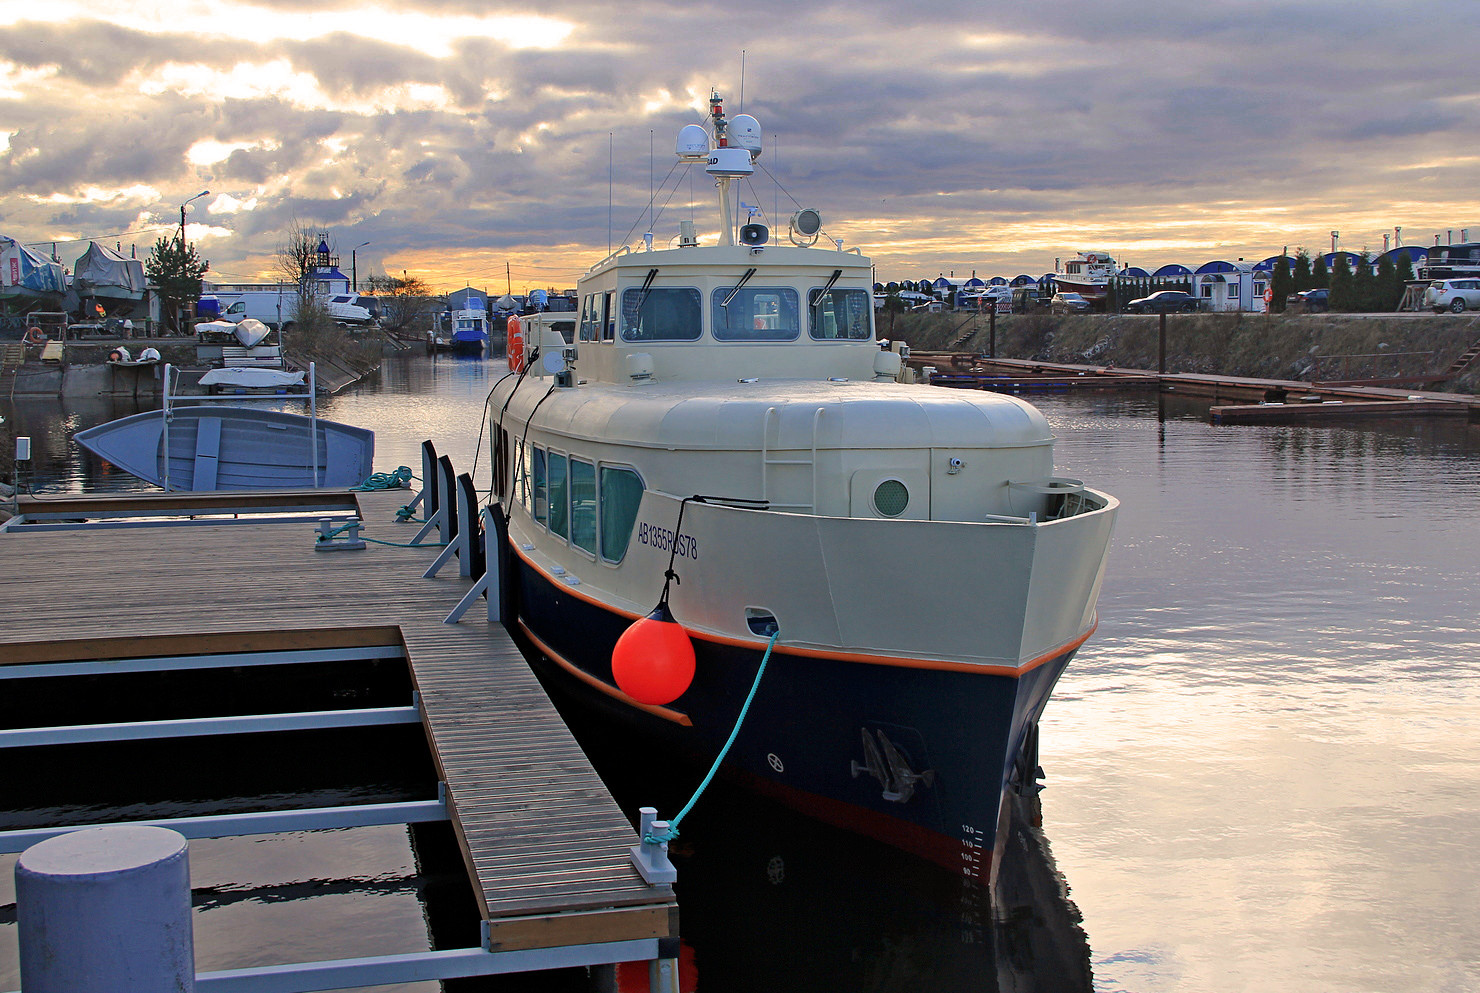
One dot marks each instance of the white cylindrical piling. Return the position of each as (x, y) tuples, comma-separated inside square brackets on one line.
[(106, 909)]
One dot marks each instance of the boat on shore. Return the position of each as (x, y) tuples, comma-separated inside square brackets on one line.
[(891, 569), (1088, 274)]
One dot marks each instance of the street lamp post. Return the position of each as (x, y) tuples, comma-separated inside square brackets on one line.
[(202, 193), (354, 272)]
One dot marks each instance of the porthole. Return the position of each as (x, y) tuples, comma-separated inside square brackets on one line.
[(891, 497)]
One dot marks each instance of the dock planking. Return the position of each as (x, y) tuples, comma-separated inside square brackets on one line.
[(545, 844)]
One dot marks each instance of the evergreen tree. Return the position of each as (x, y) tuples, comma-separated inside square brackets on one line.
[(1281, 285), (1342, 285), (175, 270), (1319, 278), (1405, 274), (1389, 286), (1364, 286), (1301, 277)]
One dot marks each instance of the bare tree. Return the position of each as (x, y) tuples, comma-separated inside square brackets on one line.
[(404, 302), (298, 258)]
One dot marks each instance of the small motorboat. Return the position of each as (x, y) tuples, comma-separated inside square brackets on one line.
[(233, 448)]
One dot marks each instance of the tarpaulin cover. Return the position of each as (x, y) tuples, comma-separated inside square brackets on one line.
[(102, 269), (23, 268)]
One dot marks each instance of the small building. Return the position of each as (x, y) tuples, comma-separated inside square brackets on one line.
[(1230, 286)]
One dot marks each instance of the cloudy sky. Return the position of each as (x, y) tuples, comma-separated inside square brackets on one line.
[(457, 137)]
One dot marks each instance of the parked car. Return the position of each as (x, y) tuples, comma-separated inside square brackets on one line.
[(1163, 302), (1455, 295), (1068, 303), (1315, 301)]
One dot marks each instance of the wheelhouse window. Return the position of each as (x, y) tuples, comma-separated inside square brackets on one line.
[(840, 315), (760, 313), (590, 318), (661, 314), (621, 494)]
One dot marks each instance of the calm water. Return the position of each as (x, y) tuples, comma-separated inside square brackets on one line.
[(1263, 771)]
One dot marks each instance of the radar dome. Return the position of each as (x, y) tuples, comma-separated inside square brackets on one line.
[(693, 142), (745, 132)]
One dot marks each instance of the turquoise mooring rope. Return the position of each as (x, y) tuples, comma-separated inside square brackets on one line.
[(735, 733), (320, 538), (386, 480)]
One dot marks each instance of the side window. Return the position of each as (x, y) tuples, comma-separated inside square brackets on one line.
[(240, 307), (661, 314), (763, 313), (539, 487), (841, 315), (621, 494), (583, 505), (500, 454), (588, 318), (559, 494), (609, 316)]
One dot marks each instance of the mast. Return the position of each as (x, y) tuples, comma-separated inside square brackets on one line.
[(722, 140)]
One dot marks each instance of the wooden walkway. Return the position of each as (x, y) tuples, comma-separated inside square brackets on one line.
[(545, 844), (1301, 401)]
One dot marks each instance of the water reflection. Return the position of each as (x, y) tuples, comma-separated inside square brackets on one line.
[(1263, 771), (771, 900)]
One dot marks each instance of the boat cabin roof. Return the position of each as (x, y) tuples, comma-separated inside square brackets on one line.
[(727, 311)]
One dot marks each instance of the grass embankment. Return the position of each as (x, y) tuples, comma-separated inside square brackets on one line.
[(339, 358), (1276, 346)]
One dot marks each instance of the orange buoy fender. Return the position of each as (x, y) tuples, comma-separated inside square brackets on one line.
[(653, 661), (515, 347)]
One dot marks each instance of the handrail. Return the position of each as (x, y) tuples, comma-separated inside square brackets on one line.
[(312, 396)]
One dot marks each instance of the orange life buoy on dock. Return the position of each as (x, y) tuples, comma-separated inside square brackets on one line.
[(35, 336), (1269, 294), (515, 346)]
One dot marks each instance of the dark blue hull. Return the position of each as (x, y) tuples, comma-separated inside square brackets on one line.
[(917, 757)]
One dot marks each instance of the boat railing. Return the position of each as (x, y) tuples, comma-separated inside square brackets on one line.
[(312, 396), (624, 250)]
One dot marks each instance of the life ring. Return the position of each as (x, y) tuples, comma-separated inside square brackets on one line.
[(1269, 294), (515, 346), (35, 336)]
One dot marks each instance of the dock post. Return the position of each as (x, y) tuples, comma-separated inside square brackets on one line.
[(106, 909), (1161, 348), (433, 486), (462, 538), (490, 582), (992, 332)]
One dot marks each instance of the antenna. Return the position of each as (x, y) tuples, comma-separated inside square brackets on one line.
[(742, 79), (610, 144)]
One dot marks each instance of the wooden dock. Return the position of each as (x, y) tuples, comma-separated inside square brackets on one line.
[(545, 845), (1249, 400)]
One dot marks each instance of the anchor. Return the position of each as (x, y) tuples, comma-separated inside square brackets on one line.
[(888, 765)]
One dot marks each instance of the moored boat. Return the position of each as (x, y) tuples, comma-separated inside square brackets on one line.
[(464, 330), (233, 448), (726, 435)]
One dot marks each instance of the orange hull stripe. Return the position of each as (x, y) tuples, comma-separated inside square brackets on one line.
[(944, 665), (664, 712)]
